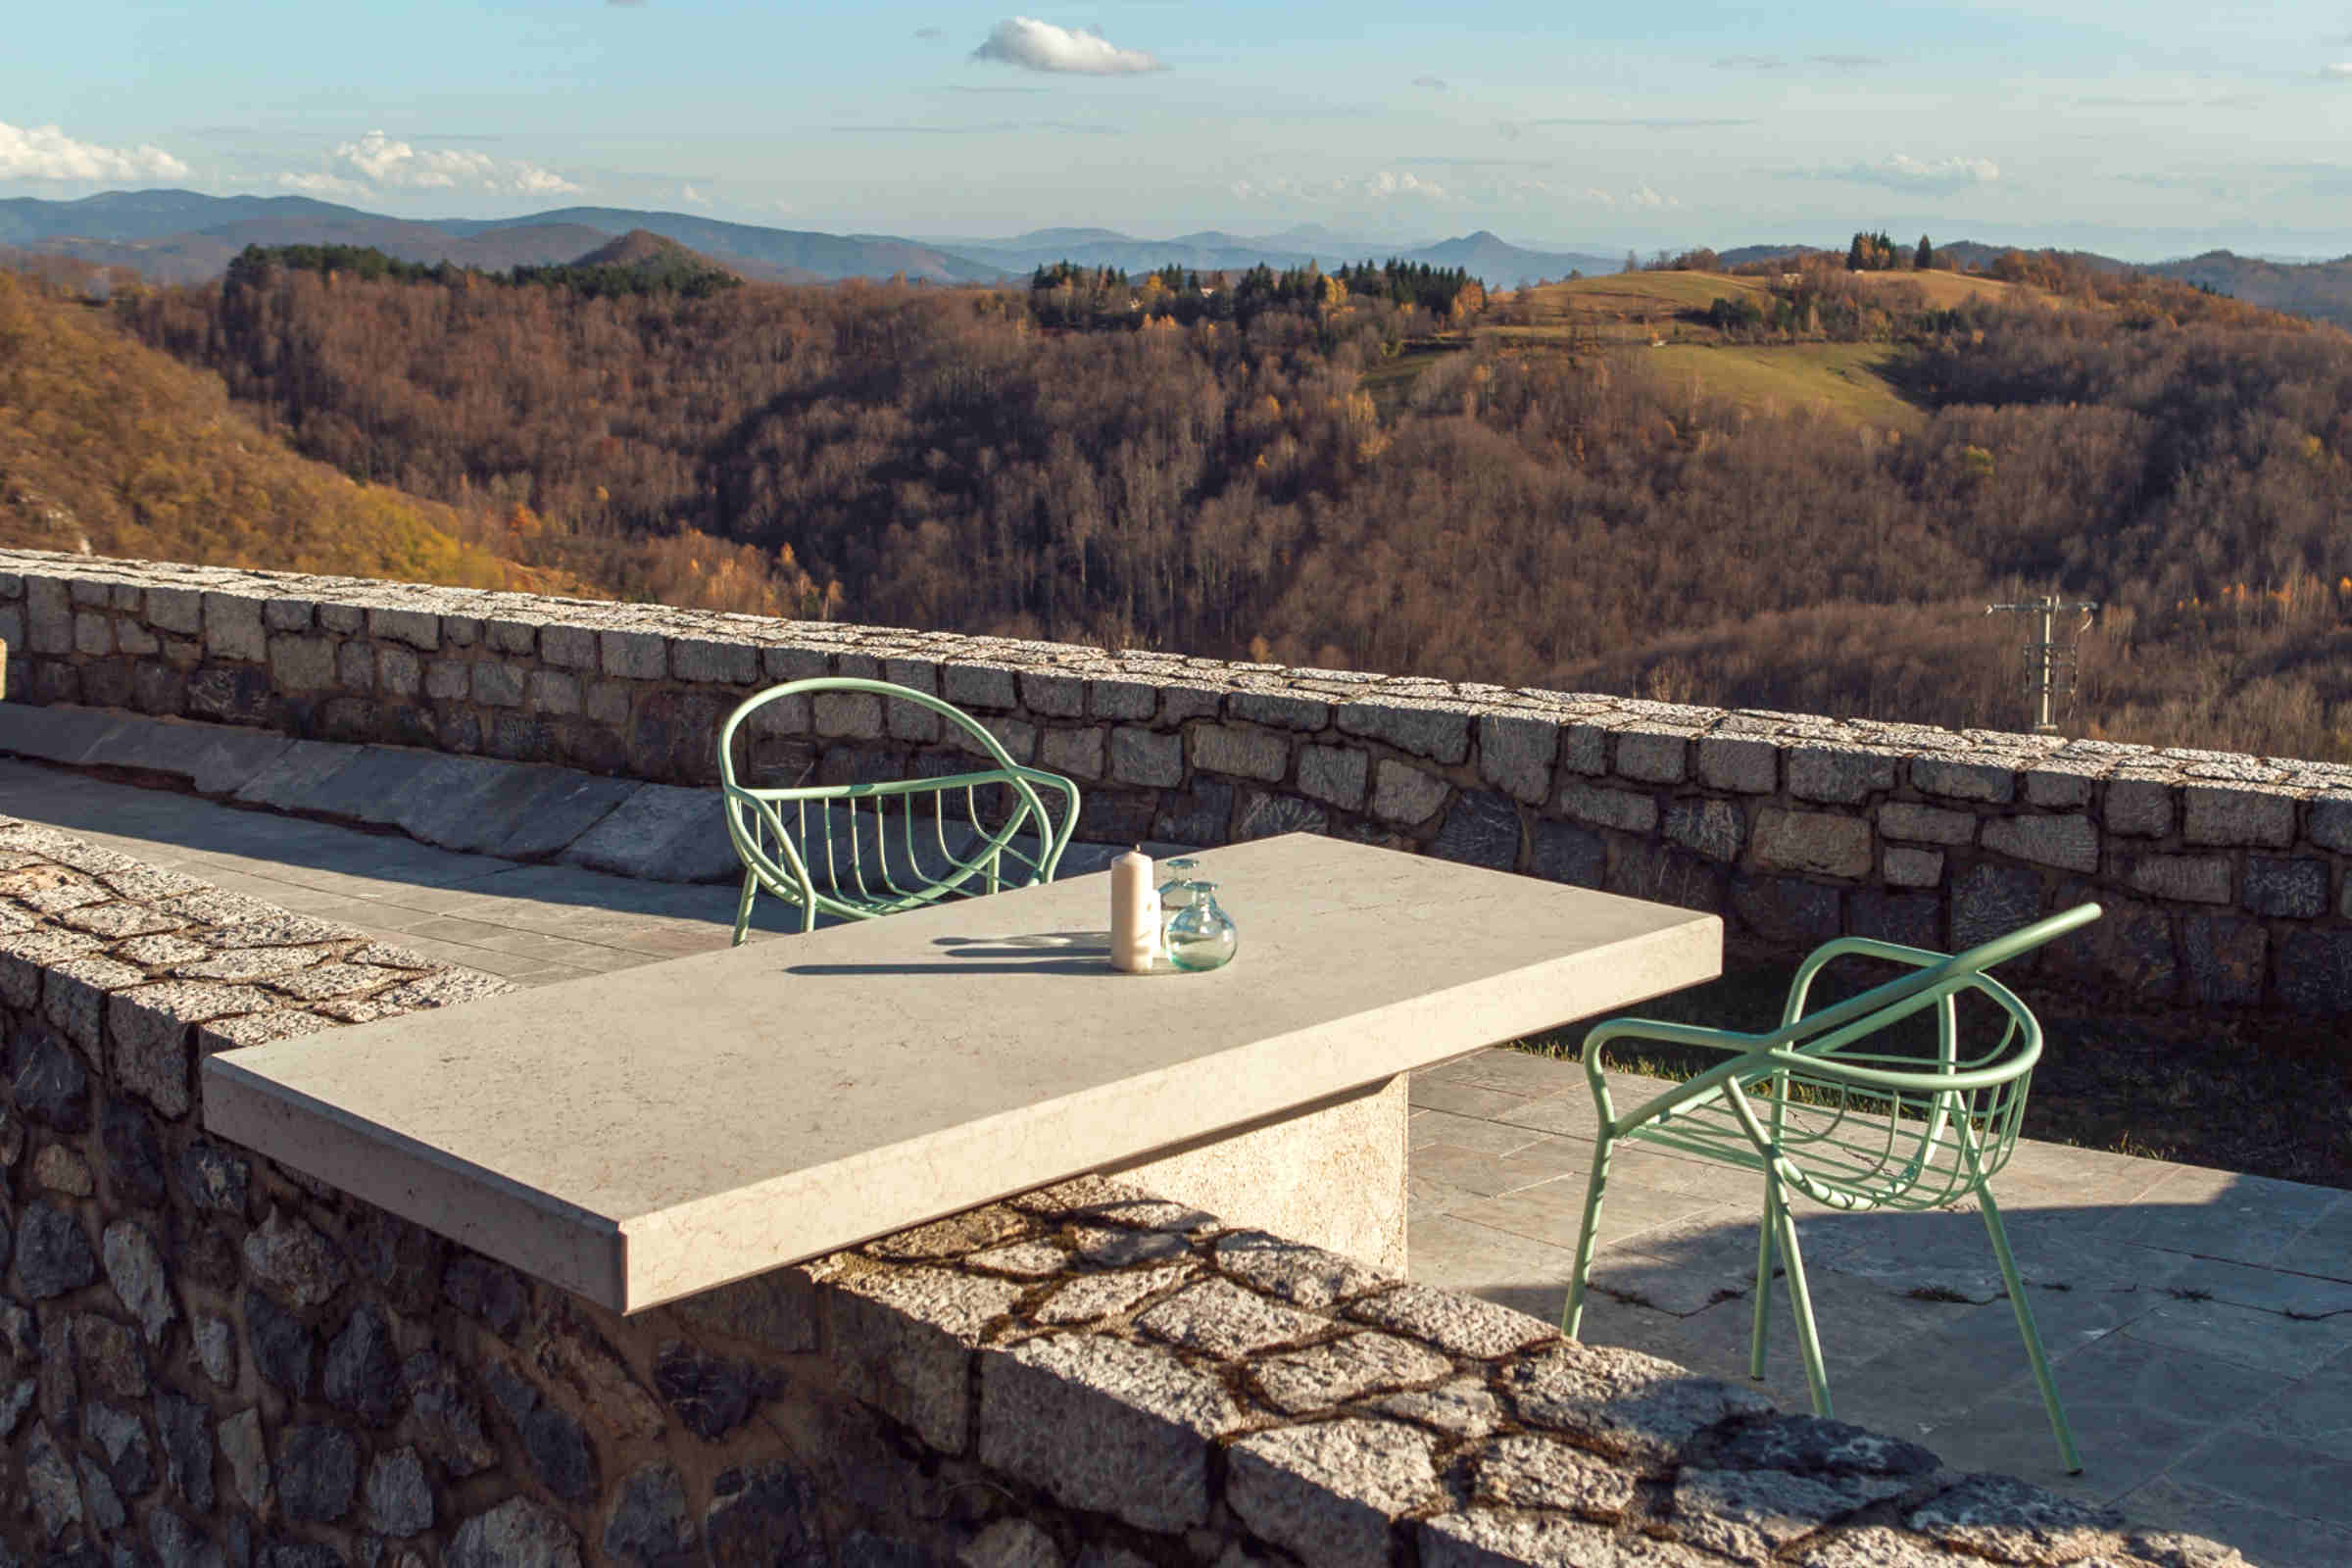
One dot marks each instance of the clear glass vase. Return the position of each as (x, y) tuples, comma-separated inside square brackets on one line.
[(1201, 935)]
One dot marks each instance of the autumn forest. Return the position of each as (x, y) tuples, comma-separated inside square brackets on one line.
[(1375, 468)]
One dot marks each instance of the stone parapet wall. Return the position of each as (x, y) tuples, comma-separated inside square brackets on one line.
[(2225, 877), (208, 1359)]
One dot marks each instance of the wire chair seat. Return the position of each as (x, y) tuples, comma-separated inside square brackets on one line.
[(863, 850), (1825, 1109)]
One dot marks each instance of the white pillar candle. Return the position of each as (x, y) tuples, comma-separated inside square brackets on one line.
[(1132, 928)]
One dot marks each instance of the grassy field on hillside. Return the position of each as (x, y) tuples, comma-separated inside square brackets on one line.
[(1847, 379)]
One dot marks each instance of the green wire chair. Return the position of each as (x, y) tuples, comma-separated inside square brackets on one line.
[(851, 862), (1819, 1115)]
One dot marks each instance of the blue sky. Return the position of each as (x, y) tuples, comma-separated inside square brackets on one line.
[(2145, 130)]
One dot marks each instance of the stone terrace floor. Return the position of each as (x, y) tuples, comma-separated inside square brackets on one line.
[(2201, 1321)]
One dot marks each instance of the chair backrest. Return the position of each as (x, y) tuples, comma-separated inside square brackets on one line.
[(1889, 1129), (865, 848)]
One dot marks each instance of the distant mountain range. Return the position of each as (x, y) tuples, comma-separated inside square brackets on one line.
[(183, 236)]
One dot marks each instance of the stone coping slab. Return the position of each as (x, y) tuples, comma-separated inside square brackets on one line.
[(646, 1135)]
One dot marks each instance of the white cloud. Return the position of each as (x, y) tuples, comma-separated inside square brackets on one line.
[(2342, 72), (1902, 171), (1035, 45), (1433, 83), (1643, 196), (692, 197), (44, 152), (376, 161), (322, 185), (1387, 185)]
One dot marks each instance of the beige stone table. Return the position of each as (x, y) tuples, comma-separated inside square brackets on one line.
[(641, 1136)]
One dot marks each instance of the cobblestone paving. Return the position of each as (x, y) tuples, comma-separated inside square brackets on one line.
[(2201, 1321)]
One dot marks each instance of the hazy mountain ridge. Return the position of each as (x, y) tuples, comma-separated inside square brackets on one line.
[(185, 236)]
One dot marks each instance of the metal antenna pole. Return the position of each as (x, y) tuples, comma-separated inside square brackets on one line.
[(2048, 665)]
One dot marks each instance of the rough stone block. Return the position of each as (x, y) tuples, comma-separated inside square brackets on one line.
[(2315, 971), (1334, 774), (1653, 755), (1480, 829), (1786, 912), (1838, 774), (2069, 842), (1462, 1325), (1076, 752), (1403, 793), (49, 617), (978, 686), (129, 636), (847, 715), (2139, 808), (344, 619), (180, 609), (1914, 919), (2129, 947), (632, 654), (1106, 1426), (1926, 824), (1957, 781), (232, 628), (1634, 1408), (303, 664), (2238, 815), (2057, 787), (2294, 890), (1627, 811), (2330, 826), (287, 614), (507, 636), (93, 633), (1740, 763), (1052, 696), (1440, 732), (421, 629), (1571, 854), (498, 684), (1992, 901), (1121, 699), (713, 659), (1905, 867), (1241, 752), (569, 647), (1140, 757), (1820, 843), (1515, 753), (1330, 1491), (2226, 959), (903, 1339), (1714, 828), (1584, 749), (554, 691), (1279, 710), (2182, 878)]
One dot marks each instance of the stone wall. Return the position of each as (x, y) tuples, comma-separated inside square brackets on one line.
[(2225, 877), (206, 1359)]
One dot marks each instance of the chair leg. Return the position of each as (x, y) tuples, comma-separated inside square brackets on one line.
[(1800, 1300), (1572, 1318), (1759, 1333), (742, 909), (2032, 1335)]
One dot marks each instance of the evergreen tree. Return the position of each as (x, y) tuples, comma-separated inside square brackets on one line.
[(1924, 256)]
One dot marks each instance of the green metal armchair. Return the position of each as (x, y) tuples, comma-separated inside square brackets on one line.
[(858, 851), (1822, 1108)]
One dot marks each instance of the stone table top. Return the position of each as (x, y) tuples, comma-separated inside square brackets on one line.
[(646, 1135)]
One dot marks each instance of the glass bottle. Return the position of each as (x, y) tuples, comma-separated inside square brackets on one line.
[(1176, 891), (1201, 935)]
